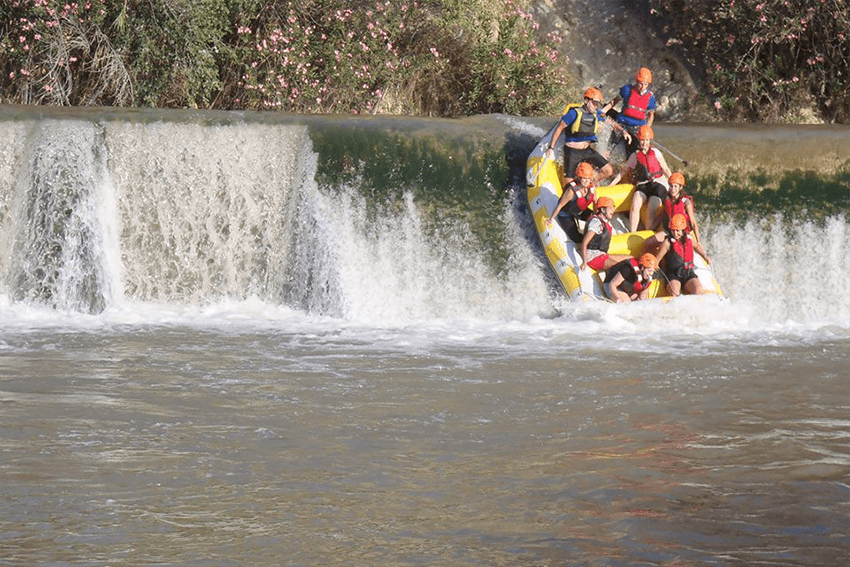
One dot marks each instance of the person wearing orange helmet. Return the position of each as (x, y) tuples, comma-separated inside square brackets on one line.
[(579, 125), (629, 280), (575, 201), (679, 202), (677, 252), (647, 167), (593, 250), (638, 108)]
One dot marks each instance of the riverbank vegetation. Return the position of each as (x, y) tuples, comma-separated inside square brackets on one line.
[(426, 57), (765, 60), (756, 60)]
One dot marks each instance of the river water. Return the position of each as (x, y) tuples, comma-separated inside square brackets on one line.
[(235, 339)]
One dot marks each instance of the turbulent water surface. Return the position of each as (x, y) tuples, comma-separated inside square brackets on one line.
[(233, 339)]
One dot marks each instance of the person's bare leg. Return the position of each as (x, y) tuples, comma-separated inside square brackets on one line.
[(652, 219), (674, 287), (694, 287), (638, 200)]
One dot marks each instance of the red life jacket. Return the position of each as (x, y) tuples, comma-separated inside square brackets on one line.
[(650, 163), (633, 280), (585, 201), (637, 105), (640, 283), (678, 208), (683, 254)]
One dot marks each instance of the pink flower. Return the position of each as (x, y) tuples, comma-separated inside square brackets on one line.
[(717, 105)]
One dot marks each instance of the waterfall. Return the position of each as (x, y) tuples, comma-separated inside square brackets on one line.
[(98, 212), (58, 238), (185, 209)]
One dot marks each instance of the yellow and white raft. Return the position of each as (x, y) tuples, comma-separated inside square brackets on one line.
[(544, 190)]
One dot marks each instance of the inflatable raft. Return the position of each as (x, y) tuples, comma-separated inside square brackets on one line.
[(544, 190)]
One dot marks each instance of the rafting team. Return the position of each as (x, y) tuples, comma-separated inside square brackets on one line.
[(677, 233)]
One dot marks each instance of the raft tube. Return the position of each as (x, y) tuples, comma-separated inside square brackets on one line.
[(543, 177)]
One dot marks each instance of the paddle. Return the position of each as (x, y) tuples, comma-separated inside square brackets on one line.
[(663, 149)]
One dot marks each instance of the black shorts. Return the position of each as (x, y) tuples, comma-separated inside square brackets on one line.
[(652, 189), (573, 157), (683, 274)]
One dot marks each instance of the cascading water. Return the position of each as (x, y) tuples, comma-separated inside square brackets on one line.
[(190, 213), (336, 340), (368, 224), (59, 234), (206, 211), (97, 213)]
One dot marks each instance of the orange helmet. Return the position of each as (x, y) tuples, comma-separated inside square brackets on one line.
[(645, 133), (648, 261), (585, 170), (643, 75), (594, 94), (677, 178), (603, 202), (678, 222)]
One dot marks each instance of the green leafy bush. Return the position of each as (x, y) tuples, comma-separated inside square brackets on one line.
[(433, 57), (768, 60)]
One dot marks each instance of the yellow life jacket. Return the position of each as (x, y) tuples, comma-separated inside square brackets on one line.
[(584, 126)]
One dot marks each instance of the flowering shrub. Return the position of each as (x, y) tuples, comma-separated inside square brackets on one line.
[(57, 53), (435, 57), (766, 59), (446, 58)]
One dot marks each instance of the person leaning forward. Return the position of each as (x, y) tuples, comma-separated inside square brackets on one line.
[(629, 280), (574, 204), (579, 125), (593, 250)]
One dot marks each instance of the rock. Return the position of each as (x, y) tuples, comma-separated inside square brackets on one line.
[(607, 41)]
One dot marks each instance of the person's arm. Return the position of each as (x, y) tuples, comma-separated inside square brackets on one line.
[(698, 247), (616, 127), (627, 167), (663, 163), (566, 197), (689, 207), (653, 241), (665, 247), (650, 111), (614, 288), (567, 118), (550, 151), (610, 104), (582, 251)]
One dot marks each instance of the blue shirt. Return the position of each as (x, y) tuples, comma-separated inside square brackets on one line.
[(625, 93), (571, 117)]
